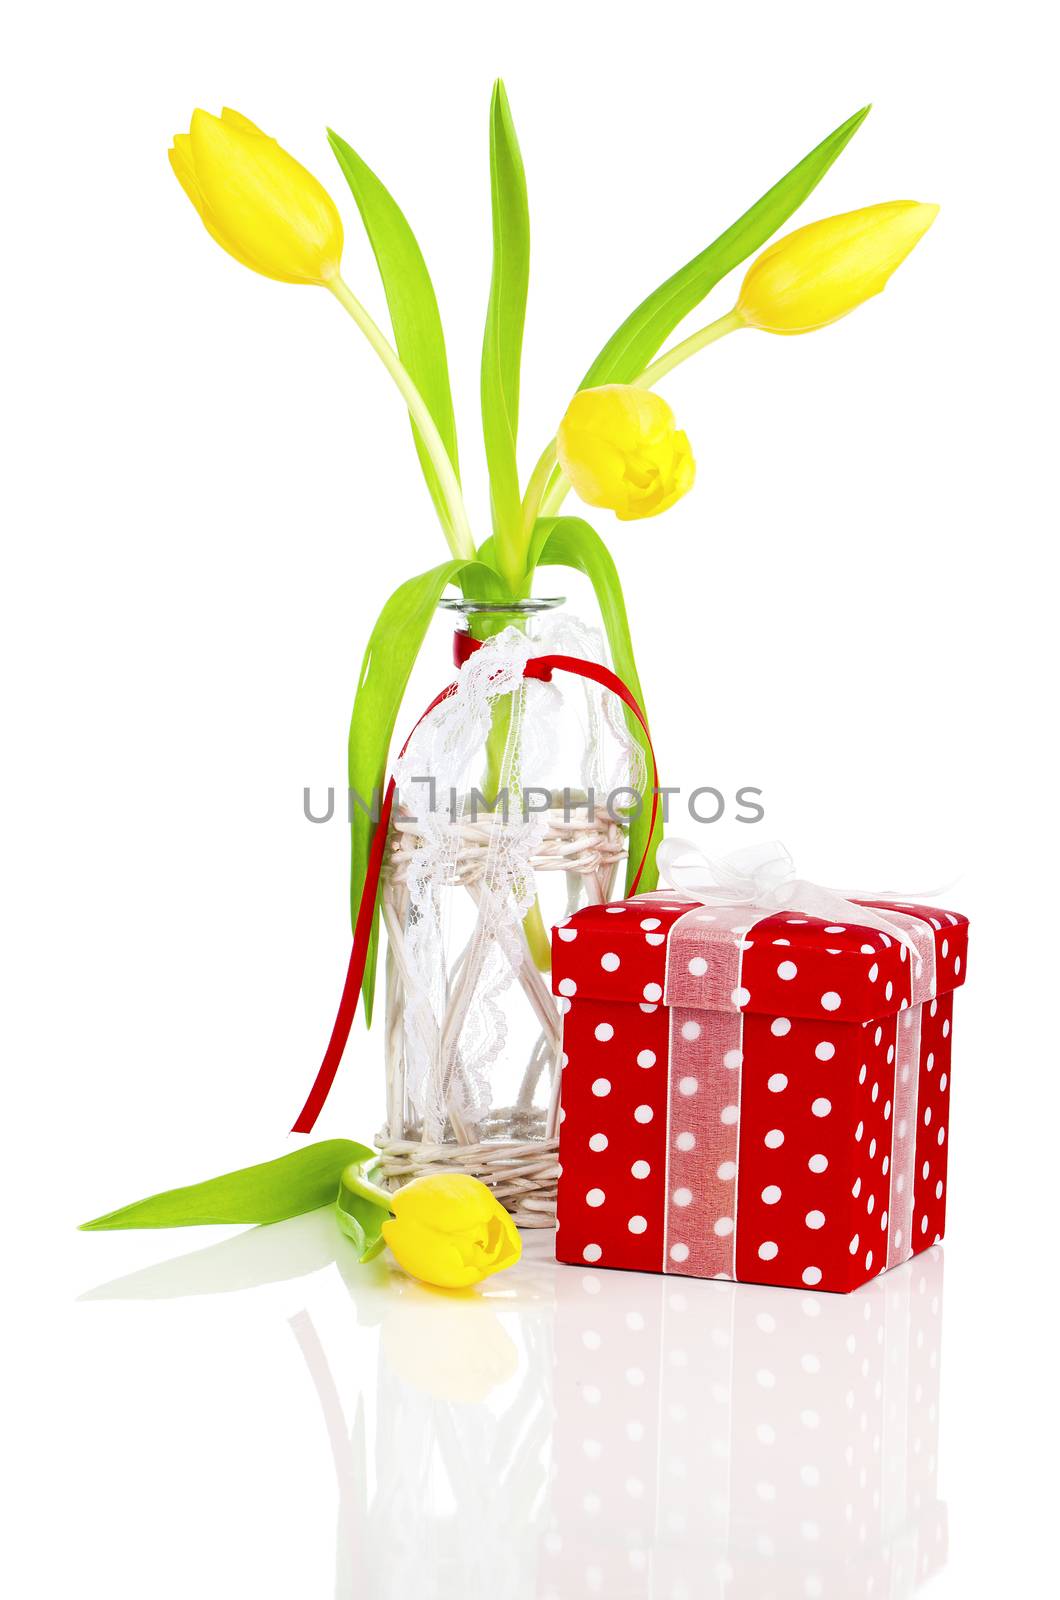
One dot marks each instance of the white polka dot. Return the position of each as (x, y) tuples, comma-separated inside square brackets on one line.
[(924, 1224), (779, 1027), (855, 1244), (637, 1225), (568, 986), (723, 1227), (868, 1261), (727, 1171), (946, 1029), (883, 1223), (956, 964), (777, 1082), (787, 970), (678, 1252), (733, 1059), (697, 966), (774, 1139), (741, 996), (562, 1005), (610, 962), (821, 1106), (942, 1136), (682, 1197), (595, 1197), (856, 1190), (889, 991), (872, 1149), (604, 1031), (874, 972), (943, 1081), (870, 1204), (592, 1252), (818, 1163), (598, 1141), (730, 1114), (688, 1085), (649, 924), (640, 1169), (815, 1219), (863, 1074), (771, 1194), (927, 1116), (690, 1030), (938, 1190), (601, 1086), (768, 1250), (812, 1276), (685, 1141), (655, 938), (830, 1000), (567, 934), (645, 1058)]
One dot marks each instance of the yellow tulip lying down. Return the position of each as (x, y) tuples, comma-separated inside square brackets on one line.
[(446, 1229)]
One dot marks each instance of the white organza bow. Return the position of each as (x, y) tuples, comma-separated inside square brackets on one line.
[(763, 875)]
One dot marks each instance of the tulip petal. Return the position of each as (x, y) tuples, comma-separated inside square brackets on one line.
[(827, 269), (260, 204), (620, 448)]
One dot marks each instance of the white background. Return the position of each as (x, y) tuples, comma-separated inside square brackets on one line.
[(210, 492)]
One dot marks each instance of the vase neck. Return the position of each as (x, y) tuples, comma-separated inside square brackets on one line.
[(485, 620)]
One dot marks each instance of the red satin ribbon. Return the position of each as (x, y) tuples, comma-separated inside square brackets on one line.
[(539, 667)]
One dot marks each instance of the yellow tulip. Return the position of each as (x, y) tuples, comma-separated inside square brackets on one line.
[(620, 449), (258, 202), (450, 1231), (818, 273)]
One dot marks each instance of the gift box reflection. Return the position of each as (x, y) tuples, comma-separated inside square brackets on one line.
[(594, 1432), (736, 1441)]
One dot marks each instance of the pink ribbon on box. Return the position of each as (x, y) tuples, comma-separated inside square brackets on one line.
[(703, 988)]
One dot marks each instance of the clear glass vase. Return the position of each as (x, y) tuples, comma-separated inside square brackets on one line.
[(508, 819)]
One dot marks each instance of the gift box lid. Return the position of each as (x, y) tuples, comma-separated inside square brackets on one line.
[(674, 949)]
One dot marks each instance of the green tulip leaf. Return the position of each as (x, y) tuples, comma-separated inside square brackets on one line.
[(362, 1208), (633, 344), (502, 344), (413, 307), (295, 1183), (571, 542), (388, 661)]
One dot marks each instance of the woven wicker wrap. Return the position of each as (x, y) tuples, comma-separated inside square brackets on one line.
[(514, 1148)]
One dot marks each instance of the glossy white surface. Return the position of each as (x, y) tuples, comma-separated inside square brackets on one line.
[(267, 1413)]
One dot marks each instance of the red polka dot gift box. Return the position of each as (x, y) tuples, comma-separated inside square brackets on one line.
[(754, 1094)]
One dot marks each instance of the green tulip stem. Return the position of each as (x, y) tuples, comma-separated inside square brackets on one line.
[(535, 492), (688, 347), (499, 773), (558, 485), (461, 541)]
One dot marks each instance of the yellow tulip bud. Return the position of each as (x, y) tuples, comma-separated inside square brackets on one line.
[(818, 273), (620, 448), (450, 1231), (258, 202)]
